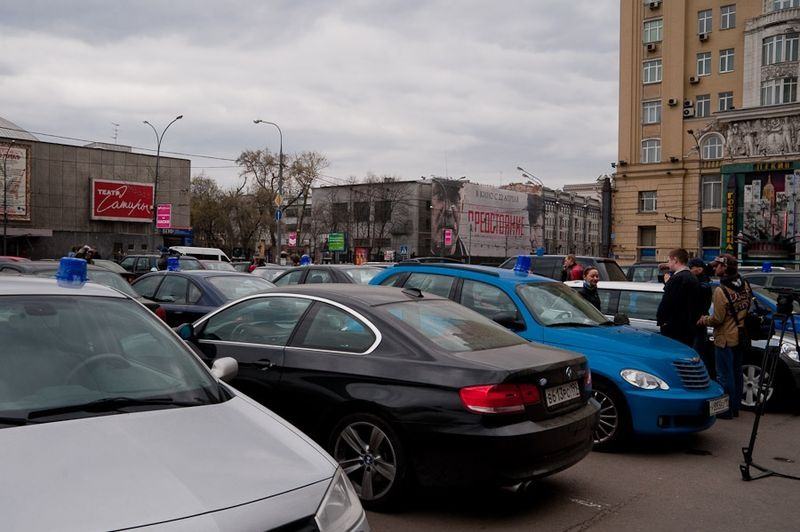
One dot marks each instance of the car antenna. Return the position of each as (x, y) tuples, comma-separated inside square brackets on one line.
[(413, 292)]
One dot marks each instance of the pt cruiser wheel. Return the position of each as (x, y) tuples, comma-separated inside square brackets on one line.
[(371, 455)]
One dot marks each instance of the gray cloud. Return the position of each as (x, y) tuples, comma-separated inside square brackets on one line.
[(395, 87)]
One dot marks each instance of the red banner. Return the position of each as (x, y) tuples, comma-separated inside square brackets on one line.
[(122, 200)]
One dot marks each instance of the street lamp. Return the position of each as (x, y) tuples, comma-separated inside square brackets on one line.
[(159, 138), (280, 186), (699, 193), (5, 198), (535, 180)]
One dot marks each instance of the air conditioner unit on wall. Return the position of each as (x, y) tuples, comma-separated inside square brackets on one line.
[(694, 80), (672, 102), (654, 4), (703, 37), (651, 47), (688, 103), (688, 112)]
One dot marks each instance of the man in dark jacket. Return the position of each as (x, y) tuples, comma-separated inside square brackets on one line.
[(698, 268), (679, 310)]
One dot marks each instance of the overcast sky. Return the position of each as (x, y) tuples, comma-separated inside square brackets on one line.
[(399, 87)]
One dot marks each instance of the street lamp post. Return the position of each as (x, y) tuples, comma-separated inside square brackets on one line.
[(532, 178), (699, 193), (5, 198), (159, 138), (280, 186)]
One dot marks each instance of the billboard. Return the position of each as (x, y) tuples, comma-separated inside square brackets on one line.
[(164, 216), (14, 159), (122, 201), (336, 242), (469, 219)]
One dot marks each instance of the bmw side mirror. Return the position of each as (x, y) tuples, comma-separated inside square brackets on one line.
[(185, 331), (225, 369), (621, 319)]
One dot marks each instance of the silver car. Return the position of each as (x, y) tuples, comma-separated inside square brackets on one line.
[(109, 421)]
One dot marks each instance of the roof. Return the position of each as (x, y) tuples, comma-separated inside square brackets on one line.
[(502, 273), (38, 266), (786, 273), (11, 130), (206, 273), (628, 286), (12, 285), (365, 295)]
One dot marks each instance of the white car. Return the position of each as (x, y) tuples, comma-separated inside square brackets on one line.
[(109, 421)]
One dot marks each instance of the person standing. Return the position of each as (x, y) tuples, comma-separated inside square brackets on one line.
[(731, 303), (678, 311), (572, 271), (589, 289), (698, 269)]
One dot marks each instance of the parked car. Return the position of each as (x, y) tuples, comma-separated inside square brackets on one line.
[(551, 265), (110, 265), (645, 272), (431, 260), (777, 279), (95, 274), (119, 413), (270, 271), (242, 266), (644, 382), (9, 258), (398, 385), (139, 265), (200, 253), (218, 265), (187, 296), (639, 301), (380, 264), (327, 273)]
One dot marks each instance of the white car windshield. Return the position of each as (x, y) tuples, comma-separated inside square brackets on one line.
[(85, 356), (554, 304), (362, 274)]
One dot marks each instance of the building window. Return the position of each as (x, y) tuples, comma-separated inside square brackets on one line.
[(778, 91), (652, 30), (651, 151), (704, 21), (727, 17), (711, 147), (361, 211), (652, 71), (779, 49), (726, 60), (725, 101), (651, 112), (704, 64), (711, 237), (647, 244), (777, 5), (712, 192), (647, 201), (703, 106)]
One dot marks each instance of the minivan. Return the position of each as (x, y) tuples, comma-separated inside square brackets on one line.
[(201, 253)]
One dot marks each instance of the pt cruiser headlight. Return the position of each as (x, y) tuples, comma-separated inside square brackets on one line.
[(642, 379), (340, 508), (790, 350)]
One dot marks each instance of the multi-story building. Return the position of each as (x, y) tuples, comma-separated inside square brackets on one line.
[(709, 129)]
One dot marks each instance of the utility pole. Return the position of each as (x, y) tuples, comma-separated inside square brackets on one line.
[(279, 199), (5, 198), (699, 193), (159, 138)]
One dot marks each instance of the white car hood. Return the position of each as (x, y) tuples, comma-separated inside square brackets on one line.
[(124, 470)]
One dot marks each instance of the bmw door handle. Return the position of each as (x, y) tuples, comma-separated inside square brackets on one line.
[(264, 364)]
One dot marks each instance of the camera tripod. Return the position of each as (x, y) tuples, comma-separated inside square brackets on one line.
[(784, 316)]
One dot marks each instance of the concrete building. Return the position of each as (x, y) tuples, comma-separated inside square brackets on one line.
[(709, 129), (59, 196)]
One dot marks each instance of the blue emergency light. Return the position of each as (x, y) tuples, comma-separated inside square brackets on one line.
[(523, 265), (72, 272), (173, 264), (305, 260), (766, 267)]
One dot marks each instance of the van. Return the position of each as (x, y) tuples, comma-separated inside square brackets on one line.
[(201, 253)]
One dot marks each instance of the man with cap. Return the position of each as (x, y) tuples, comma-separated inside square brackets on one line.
[(698, 268), (731, 303), (679, 311)]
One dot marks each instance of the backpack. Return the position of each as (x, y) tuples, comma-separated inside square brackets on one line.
[(756, 324)]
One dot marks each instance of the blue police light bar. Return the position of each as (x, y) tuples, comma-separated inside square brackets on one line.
[(523, 264), (173, 264), (72, 272), (305, 260)]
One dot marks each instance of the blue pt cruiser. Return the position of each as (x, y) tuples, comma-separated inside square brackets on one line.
[(645, 383)]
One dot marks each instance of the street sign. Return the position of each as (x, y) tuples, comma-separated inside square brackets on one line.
[(293, 238), (336, 242), (403, 249), (448, 237), (278, 200), (278, 215), (164, 215)]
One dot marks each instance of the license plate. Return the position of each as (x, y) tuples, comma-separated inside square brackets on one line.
[(561, 394), (718, 406)]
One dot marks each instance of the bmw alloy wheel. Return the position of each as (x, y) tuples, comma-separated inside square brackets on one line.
[(367, 456), (750, 377), (608, 424)]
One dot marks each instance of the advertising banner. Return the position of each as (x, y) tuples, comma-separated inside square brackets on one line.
[(292, 238), (14, 159), (483, 221), (122, 201), (336, 242), (164, 216)]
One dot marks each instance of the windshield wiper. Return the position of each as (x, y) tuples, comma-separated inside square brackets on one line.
[(110, 404)]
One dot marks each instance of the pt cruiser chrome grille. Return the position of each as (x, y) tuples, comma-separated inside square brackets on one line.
[(693, 373)]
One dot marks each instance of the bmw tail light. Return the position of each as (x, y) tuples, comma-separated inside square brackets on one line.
[(499, 398), (587, 380), (161, 313)]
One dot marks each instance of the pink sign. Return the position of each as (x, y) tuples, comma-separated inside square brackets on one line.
[(448, 237), (293, 238), (164, 216)]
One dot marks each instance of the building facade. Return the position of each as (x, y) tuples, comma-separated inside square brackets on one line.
[(59, 196), (709, 129)]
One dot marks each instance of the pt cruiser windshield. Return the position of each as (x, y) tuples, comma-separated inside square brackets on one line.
[(553, 304)]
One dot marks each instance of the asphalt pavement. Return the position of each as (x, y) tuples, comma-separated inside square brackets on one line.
[(691, 483)]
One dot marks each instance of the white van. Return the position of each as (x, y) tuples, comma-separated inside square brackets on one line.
[(201, 253)]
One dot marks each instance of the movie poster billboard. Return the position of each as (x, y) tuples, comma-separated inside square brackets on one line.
[(123, 201), (15, 162), (472, 220)]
